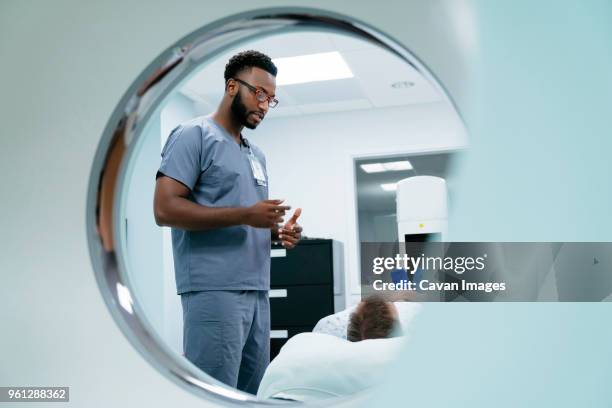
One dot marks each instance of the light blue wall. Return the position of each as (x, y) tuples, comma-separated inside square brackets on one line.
[(505, 356), (538, 169)]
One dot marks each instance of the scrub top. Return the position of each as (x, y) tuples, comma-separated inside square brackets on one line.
[(205, 158)]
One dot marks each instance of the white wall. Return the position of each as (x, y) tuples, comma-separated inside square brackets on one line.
[(310, 163), (178, 109), (149, 246), (144, 239)]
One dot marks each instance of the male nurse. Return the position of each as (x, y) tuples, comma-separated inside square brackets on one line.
[(212, 190)]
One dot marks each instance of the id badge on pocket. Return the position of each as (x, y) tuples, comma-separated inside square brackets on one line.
[(258, 171)]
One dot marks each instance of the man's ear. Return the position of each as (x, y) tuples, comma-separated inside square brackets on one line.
[(230, 87)]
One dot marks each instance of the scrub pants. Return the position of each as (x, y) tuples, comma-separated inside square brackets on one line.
[(226, 333)]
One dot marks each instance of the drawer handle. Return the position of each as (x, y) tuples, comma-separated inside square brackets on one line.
[(279, 334), (278, 253), (278, 293)]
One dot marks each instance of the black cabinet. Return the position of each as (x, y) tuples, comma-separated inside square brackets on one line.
[(302, 289)]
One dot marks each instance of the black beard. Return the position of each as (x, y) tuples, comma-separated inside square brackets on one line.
[(240, 112)]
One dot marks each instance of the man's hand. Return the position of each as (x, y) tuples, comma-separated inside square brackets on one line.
[(291, 232), (266, 214)]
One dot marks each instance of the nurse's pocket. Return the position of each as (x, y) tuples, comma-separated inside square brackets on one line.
[(204, 344)]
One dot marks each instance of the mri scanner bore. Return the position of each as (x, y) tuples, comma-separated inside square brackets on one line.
[(311, 130)]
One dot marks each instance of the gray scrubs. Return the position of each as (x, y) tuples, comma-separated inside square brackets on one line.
[(222, 274), (234, 350)]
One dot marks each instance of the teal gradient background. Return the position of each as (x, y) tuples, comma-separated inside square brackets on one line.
[(538, 169), (504, 355)]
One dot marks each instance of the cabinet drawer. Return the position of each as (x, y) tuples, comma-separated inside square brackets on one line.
[(301, 305), (306, 264)]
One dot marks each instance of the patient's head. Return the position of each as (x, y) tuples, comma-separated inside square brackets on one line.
[(373, 319)]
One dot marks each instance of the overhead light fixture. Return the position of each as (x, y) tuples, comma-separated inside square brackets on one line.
[(310, 68), (389, 166), (373, 168), (389, 186)]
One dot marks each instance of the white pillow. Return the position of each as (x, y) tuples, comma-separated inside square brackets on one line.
[(313, 366), (337, 323)]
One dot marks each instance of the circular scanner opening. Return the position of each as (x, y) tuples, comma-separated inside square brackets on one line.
[(181, 75)]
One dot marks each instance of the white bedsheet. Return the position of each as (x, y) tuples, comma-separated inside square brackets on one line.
[(314, 366)]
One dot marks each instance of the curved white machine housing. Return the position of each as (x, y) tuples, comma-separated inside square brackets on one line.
[(82, 347), (422, 208)]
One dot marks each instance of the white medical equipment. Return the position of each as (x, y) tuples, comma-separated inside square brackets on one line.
[(422, 209)]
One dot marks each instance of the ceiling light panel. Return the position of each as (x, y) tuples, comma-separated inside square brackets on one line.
[(372, 168), (389, 166), (398, 165), (324, 66)]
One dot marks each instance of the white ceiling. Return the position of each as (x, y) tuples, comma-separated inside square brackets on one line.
[(375, 71)]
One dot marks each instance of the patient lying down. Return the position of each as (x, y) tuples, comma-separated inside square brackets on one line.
[(320, 365)]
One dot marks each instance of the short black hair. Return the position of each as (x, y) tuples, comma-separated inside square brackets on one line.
[(248, 59)]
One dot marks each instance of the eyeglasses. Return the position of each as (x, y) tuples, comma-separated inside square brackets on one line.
[(260, 94)]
